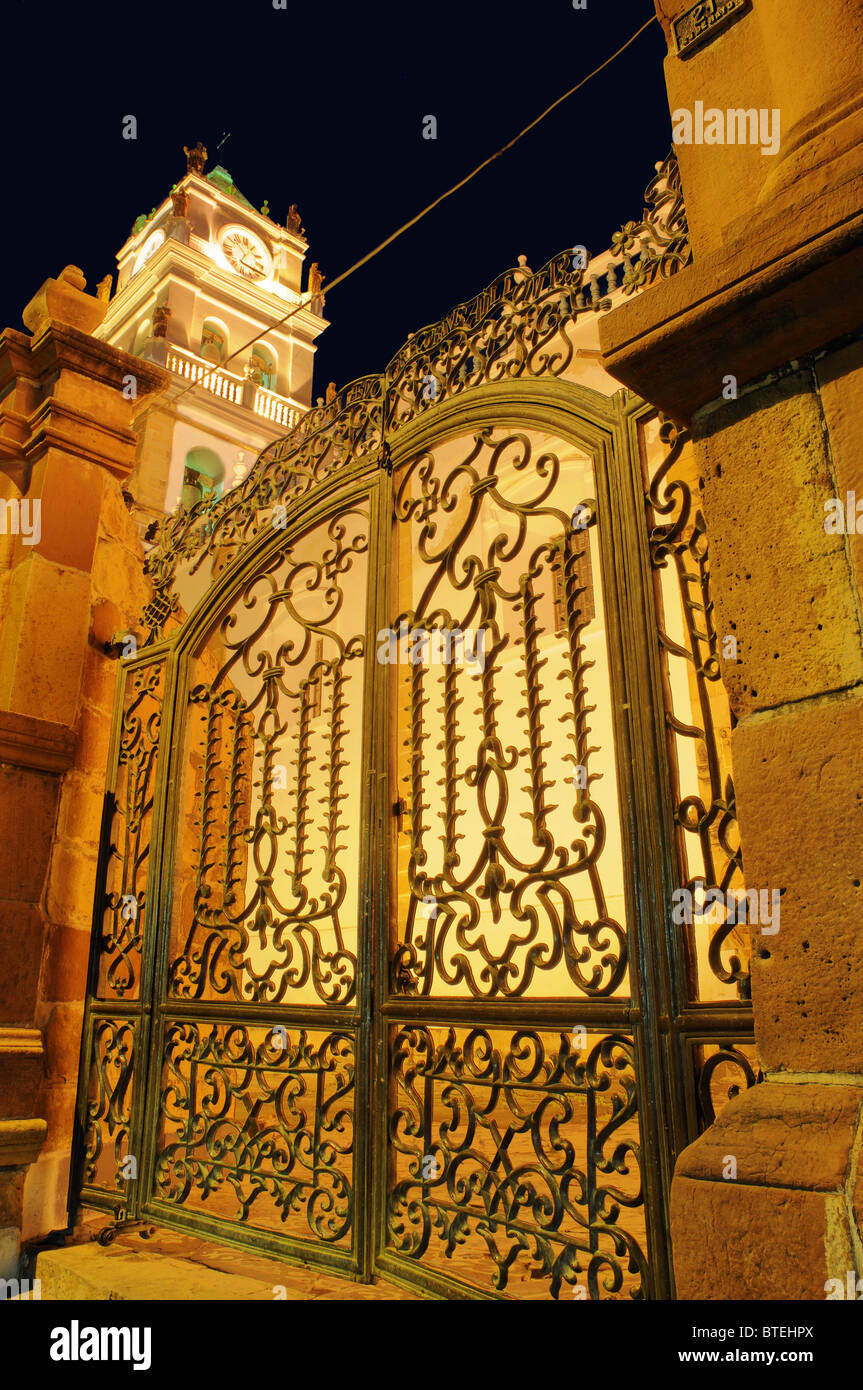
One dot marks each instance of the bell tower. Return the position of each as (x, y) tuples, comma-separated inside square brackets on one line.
[(199, 277)]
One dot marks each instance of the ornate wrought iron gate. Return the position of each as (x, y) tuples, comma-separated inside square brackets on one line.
[(384, 972)]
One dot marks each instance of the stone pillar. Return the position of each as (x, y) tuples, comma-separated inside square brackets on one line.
[(70, 577), (756, 346)]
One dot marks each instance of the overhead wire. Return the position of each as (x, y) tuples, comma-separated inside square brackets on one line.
[(412, 222)]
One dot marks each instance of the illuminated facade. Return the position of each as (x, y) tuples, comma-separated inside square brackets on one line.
[(204, 274)]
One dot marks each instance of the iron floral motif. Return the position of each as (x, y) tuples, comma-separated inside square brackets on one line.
[(661, 238)]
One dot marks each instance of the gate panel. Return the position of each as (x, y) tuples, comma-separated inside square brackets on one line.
[(256, 1126), (261, 1011), (514, 1144), (116, 1031)]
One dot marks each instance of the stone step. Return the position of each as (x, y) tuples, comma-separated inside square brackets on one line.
[(125, 1271)]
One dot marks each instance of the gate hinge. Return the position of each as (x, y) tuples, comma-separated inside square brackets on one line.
[(119, 1226)]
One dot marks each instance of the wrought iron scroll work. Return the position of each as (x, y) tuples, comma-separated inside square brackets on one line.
[(109, 1105), (509, 911), (520, 325), (682, 541), (258, 932), (126, 901), (247, 1122), (516, 1143), (727, 1069)]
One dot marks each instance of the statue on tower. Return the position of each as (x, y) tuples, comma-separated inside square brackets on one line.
[(103, 289), (294, 224), (195, 159), (161, 316), (180, 199), (316, 280)]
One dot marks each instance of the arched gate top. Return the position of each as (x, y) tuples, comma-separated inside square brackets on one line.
[(521, 325)]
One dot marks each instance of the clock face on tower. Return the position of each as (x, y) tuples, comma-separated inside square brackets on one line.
[(246, 253), (153, 242)]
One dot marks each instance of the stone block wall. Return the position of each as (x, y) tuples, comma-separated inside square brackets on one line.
[(66, 588)]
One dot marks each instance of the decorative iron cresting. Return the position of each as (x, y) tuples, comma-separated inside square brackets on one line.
[(521, 324), (661, 238)]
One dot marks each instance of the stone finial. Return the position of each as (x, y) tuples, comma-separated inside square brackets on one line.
[(64, 301), (73, 275)]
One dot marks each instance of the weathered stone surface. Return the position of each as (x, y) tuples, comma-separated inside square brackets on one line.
[(25, 840), (71, 885), (43, 639), (20, 1080), (798, 775), (117, 1272), (777, 1228), (93, 739), (20, 1141), (66, 964), (840, 377), (11, 1188), (763, 1243), (116, 570), (782, 584), (791, 1134), (100, 672), (21, 935), (71, 504), (63, 1041), (81, 802)]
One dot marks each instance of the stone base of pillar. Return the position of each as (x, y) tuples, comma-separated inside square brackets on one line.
[(774, 1189), (20, 1142)]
